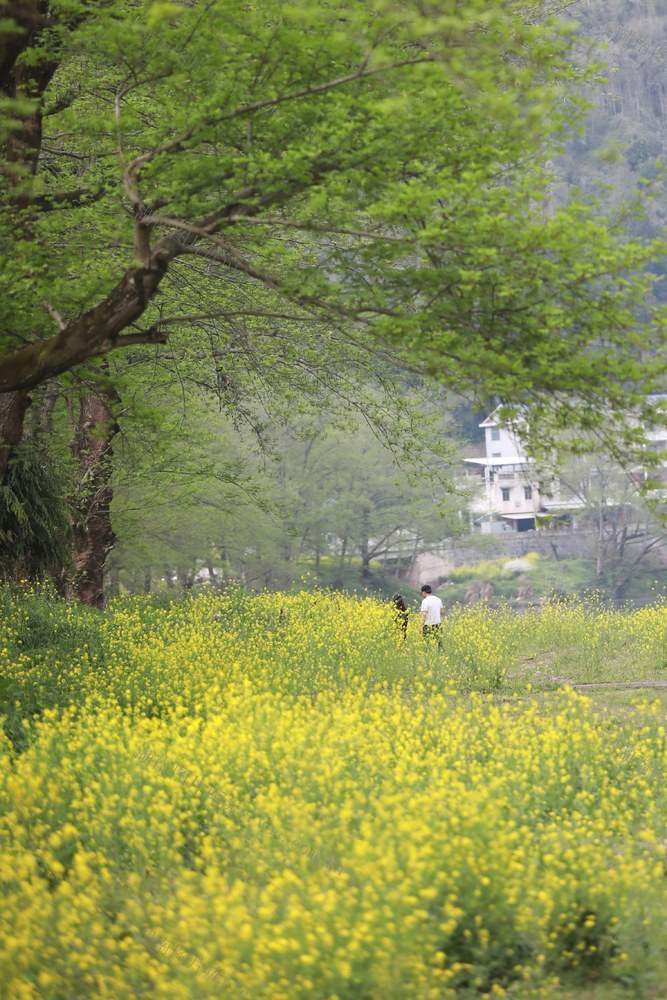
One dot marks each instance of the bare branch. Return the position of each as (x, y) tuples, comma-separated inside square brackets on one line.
[(73, 156), (142, 243), (226, 314), (231, 258), (314, 228), (55, 315), (548, 9), (203, 229)]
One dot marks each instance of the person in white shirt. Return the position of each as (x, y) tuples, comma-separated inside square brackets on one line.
[(431, 612)]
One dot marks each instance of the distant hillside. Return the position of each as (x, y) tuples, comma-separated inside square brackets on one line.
[(625, 134)]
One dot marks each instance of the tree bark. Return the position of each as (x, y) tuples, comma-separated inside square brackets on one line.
[(365, 561), (21, 147), (599, 558), (186, 578), (93, 534), (13, 408), (620, 583)]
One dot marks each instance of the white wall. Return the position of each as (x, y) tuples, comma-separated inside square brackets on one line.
[(511, 477), (507, 445), (514, 479)]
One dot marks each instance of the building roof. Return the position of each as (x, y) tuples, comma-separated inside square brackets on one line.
[(511, 425), (490, 420), (562, 504), (506, 460)]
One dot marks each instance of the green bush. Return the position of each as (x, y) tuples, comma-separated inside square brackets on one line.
[(35, 530)]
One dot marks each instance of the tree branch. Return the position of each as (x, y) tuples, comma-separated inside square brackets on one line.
[(231, 258), (94, 333), (175, 144), (549, 9), (314, 228), (55, 315), (61, 103), (226, 314), (83, 196), (152, 335)]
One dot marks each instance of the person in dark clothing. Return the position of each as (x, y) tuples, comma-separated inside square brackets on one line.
[(401, 613)]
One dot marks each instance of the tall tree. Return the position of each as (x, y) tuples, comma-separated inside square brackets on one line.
[(93, 535), (288, 172), (359, 163)]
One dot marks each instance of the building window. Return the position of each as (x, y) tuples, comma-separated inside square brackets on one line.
[(506, 494), (495, 434), (496, 454), (528, 492)]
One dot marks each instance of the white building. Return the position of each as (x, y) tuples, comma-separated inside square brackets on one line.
[(510, 496)]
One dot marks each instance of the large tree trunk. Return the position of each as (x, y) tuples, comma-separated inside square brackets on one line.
[(21, 147), (364, 545), (93, 535), (22, 25), (13, 408), (620, 584), (599, 555), (365, 562)]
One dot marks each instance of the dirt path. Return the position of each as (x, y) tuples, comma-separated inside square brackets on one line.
[(620, 684)]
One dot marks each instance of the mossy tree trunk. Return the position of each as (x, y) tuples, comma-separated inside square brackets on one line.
[(93, 535), (13, 408)]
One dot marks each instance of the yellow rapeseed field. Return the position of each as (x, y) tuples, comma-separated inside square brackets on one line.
[(278, 797)]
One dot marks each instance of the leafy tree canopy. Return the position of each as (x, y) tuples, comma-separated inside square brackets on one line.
[(370, 165)]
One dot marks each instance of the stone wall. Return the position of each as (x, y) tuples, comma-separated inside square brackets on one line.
[(435, 565)]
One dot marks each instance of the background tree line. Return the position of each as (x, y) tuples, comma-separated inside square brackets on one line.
[(322, 494)]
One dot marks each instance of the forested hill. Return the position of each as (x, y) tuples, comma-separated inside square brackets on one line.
[(625, 137)]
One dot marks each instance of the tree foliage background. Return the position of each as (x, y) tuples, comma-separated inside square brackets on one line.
[(304, 201)]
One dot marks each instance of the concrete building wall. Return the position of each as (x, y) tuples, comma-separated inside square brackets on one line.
[(501, 443)]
